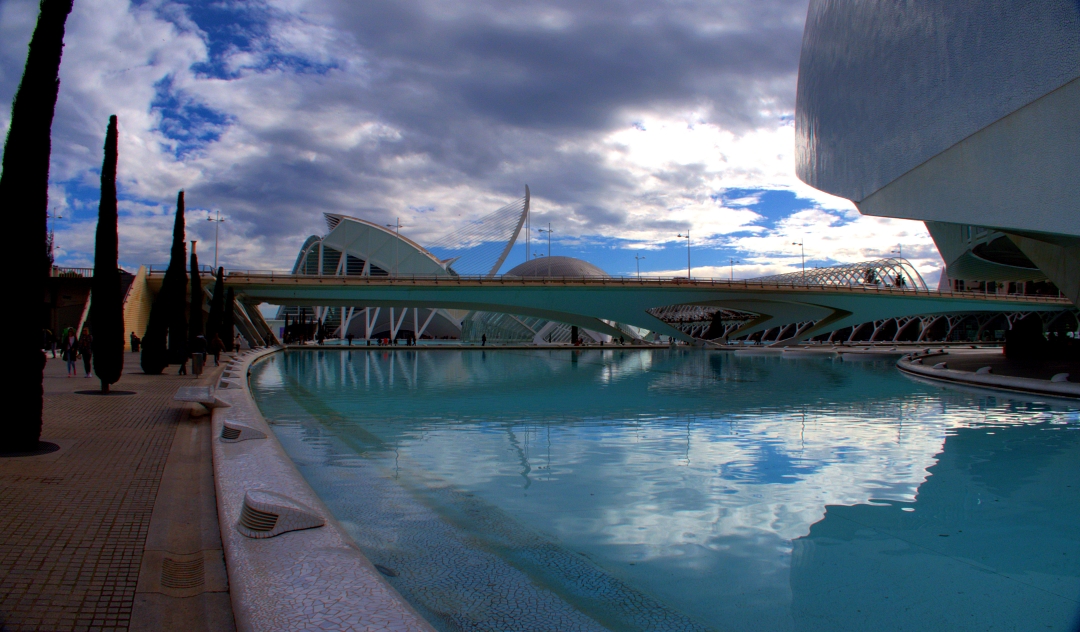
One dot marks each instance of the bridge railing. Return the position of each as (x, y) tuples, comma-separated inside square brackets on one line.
[(60, 271), (279, 276)]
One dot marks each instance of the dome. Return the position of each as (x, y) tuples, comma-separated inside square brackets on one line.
[(556, 267)]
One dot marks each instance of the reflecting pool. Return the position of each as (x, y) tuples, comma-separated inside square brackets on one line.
[(686, 489)]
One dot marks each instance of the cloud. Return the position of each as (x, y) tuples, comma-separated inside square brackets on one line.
[(631, 121)]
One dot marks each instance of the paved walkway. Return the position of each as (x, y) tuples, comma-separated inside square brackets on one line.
[(74, 523)]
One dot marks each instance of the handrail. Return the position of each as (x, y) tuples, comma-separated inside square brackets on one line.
[(58, 271), (277, 276)]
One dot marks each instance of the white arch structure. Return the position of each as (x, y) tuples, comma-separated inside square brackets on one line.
[(358, 247)]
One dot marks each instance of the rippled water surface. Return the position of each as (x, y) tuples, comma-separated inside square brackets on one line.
[(685, 489)]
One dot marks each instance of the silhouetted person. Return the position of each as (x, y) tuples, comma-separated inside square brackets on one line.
[(86, 349), (215, 347), (483, 340), (69, 351), (135, 342)]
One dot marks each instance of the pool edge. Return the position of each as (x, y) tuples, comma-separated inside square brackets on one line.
[(311, 578)]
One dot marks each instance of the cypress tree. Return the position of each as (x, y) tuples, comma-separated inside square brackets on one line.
[(166, 314), (107, 305), (24, 203), (217, 303), (154, 356), (195, 322), (227, 322), (174, 287)]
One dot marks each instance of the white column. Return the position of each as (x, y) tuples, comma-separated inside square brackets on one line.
[(423, 328)]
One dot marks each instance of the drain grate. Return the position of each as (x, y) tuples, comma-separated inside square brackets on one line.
[(182, 574), (265, 514), (231, 432), (256, 519)]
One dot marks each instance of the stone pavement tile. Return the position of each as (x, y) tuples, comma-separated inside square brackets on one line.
[(73, 524)]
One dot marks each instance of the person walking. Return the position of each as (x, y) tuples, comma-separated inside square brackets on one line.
[(483, 340), (135, 343), (69, 351), (86, 349)]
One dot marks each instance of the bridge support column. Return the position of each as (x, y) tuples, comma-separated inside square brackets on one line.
[(369, 321)]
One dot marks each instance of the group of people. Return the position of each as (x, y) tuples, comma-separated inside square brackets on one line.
[(71, 348), (410, 340)]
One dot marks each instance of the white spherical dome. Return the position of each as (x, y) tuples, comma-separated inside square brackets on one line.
[(556, 267)]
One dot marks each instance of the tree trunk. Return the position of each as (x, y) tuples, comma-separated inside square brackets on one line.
[(195, 322), (217, 304), (107, 305), (227, 322), (24, 204)]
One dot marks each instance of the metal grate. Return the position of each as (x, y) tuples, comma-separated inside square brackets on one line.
[(257, 520), (182, 575), (229, 433)]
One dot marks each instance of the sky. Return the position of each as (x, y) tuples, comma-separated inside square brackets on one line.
[(632, 122)]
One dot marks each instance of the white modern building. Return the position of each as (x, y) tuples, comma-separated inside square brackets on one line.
[(358, 247), (963, 115)]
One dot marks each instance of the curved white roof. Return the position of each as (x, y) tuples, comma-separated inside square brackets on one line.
[(382, 247)]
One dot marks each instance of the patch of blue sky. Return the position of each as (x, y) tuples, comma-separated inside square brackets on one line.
[(616, 256), (773, 205), (191, 125), (230, 28), (82, 196)]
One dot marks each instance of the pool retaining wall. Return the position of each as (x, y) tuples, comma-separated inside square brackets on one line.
[(312, 578), (926, 367)]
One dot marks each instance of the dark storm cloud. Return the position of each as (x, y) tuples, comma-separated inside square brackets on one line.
[(489, 92), (500, 61), (278, 112)]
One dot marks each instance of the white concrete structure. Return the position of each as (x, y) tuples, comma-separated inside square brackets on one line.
[(963, 115), (501, 327), (357, 247)]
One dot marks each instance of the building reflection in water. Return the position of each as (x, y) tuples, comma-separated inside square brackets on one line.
[(764, 492)]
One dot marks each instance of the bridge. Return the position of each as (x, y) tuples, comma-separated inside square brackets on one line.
[(599, 303)]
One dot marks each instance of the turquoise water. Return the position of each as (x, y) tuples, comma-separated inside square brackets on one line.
[(684, 489)]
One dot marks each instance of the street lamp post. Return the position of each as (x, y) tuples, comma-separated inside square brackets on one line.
[(53, 216), (731, 262), (637, 260), (802, 250), (687, 237), (397, 230), (548, 231), (217, 226)]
